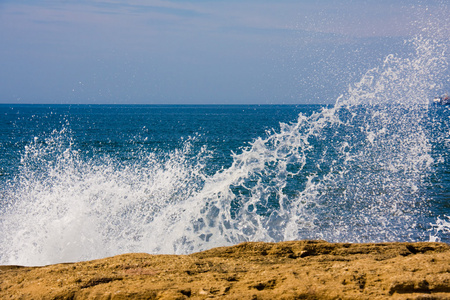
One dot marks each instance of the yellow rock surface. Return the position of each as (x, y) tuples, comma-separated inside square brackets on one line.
[(286, 270)]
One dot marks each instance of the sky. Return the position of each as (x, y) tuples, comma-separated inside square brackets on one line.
[(197, 51)]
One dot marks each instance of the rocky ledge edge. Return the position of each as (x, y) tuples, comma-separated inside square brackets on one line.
[(252, 270)]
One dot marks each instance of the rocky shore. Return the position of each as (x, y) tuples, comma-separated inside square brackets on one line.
[(286, 270)]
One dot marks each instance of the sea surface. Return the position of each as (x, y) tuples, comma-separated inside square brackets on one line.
[(81, 182)]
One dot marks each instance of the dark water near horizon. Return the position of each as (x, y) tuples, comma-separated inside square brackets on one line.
[(122, 129), (80, 182)]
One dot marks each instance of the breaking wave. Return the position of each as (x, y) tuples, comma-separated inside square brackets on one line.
[(356, 172)]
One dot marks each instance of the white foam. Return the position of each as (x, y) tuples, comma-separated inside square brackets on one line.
[(442, 227)]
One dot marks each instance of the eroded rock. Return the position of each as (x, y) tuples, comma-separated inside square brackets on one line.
[(287, 270)]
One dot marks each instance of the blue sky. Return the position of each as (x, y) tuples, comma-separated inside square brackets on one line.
[(197, 52)]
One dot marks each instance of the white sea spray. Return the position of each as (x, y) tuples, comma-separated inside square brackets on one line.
[(353, 172)]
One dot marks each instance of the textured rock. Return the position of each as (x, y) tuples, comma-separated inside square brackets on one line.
[(287, 270)]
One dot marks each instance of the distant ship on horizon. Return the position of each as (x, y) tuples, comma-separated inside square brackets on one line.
[(442, 100)]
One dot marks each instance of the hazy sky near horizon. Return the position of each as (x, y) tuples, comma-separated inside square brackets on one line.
[(197, 51)]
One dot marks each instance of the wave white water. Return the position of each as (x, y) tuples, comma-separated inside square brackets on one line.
[(354, 172), (67, 208), (441, 227)]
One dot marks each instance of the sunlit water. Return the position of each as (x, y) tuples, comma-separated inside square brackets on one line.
[(84, 182)]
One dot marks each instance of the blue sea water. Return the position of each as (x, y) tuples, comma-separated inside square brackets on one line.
[(81, 182)]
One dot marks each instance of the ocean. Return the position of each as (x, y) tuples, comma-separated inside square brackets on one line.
[(79, 182)]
